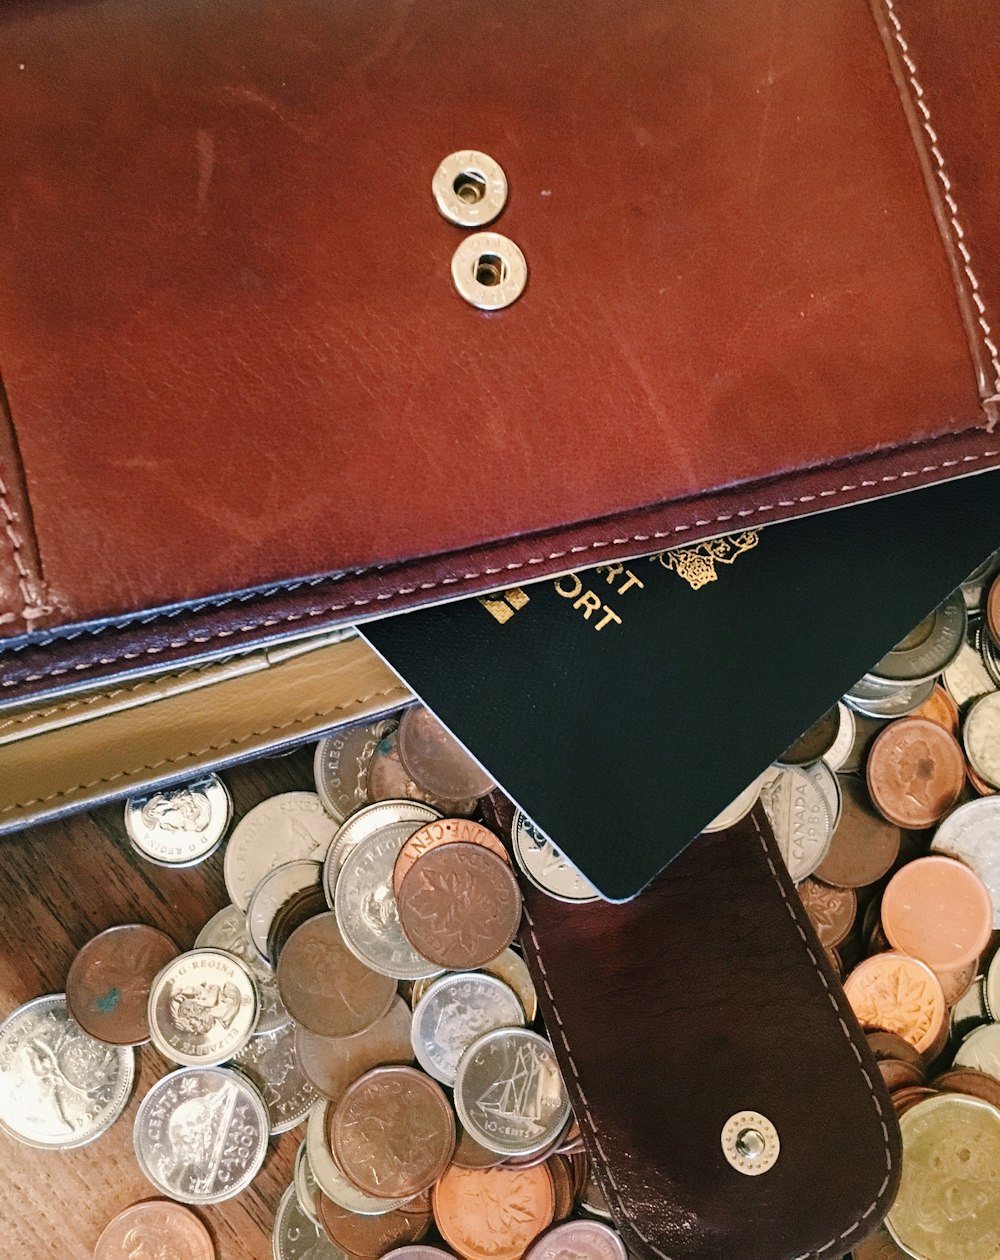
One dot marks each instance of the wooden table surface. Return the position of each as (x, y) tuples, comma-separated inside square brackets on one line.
[(60, 885)]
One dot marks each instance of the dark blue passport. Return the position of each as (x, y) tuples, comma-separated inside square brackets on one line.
[(623, 707)]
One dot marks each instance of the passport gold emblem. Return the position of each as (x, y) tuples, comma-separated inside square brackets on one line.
[(696, 565), (503, 607)]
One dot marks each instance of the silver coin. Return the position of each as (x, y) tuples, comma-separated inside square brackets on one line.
[(969, 1012), (991, 988), (873, 700), (509, 1092), (800, 819), (990, 653), (365, 823), (588, 1240), (201, 1134), (738, 808), (328, 1176), (971, 833), (836, 756), (340, 765), (281, 829), (272, 1063), (203, 1008), (227, 930), (305, 1185), (981, 1050), (967, 678), (544, 865), (180, 826), (829, 785), (59, 1087), (297, 1236), (366, 907), (977, 583), (981, 737), (930, 647), (453, 1013), (271, 894)]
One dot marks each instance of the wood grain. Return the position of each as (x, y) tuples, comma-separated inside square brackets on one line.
[(60, 885)]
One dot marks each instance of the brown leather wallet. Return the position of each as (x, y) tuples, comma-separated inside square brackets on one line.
[(243, 395)]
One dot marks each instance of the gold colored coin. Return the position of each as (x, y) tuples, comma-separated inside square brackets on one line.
[(948, 1206)]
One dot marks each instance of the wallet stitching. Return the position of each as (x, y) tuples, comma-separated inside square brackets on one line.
[(286, 618), (200, 752), (940, 171), (841, 1238), (17, 543)]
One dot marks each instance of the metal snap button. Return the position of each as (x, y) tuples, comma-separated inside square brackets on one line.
[(750, 1143), (489, 270), (470, 188)]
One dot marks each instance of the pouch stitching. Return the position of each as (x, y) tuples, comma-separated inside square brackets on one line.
[(213, 748), (840, 1239), (958, 232), (16, 543), (287, 618)]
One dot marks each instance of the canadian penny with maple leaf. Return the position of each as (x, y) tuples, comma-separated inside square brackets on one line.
[(443, 831), (493, 1213), (899, 994), (460, 906)]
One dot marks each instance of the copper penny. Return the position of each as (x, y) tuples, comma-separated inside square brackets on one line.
[(864, 846), (909, 1096), (460, 906), (813, 743), (443, 831), (436, 760), (296, 911), (939, 708), (970, 1081), (493, 1213), (107, 988), (898, 1074), (836, 963), (155, 1228), (899, 994), (372, 1236), (956, 984), (889, 1045), (915, 772), (334, 1063), (831, 910), (389, 780), (993, 611), (978, 783), (393, 1132), (325, 988), (469, 1154), (563, 1185), (938, 910), (880, 1246)]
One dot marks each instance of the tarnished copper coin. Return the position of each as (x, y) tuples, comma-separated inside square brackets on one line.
[(940, 708), (993, 611), (956, 984), (493, 1213), (393, 1132), (389, 780), (155, 1228), (334, 1063), (436, 760), (325, 988), (938, 910), (970, 1081), (889, 1045), (107, 988), (443, 831), (831, 910), (880, 1246), (907, 1097), (864, 846), (815, 742), (369, 1237), (915, 772), (898, 1074), (469, 1153), (460, 906), (563, 1185), (899, 994)]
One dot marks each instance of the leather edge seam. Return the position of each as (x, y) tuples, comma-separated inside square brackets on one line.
[(16, 524), (983, 349), (265, 622), (194, 754)]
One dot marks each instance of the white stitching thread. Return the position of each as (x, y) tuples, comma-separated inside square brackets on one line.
[(16, 542), (796, 919), (287, 618), (942, 174)]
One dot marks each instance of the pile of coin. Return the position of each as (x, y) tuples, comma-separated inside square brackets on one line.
[(362, 982)]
